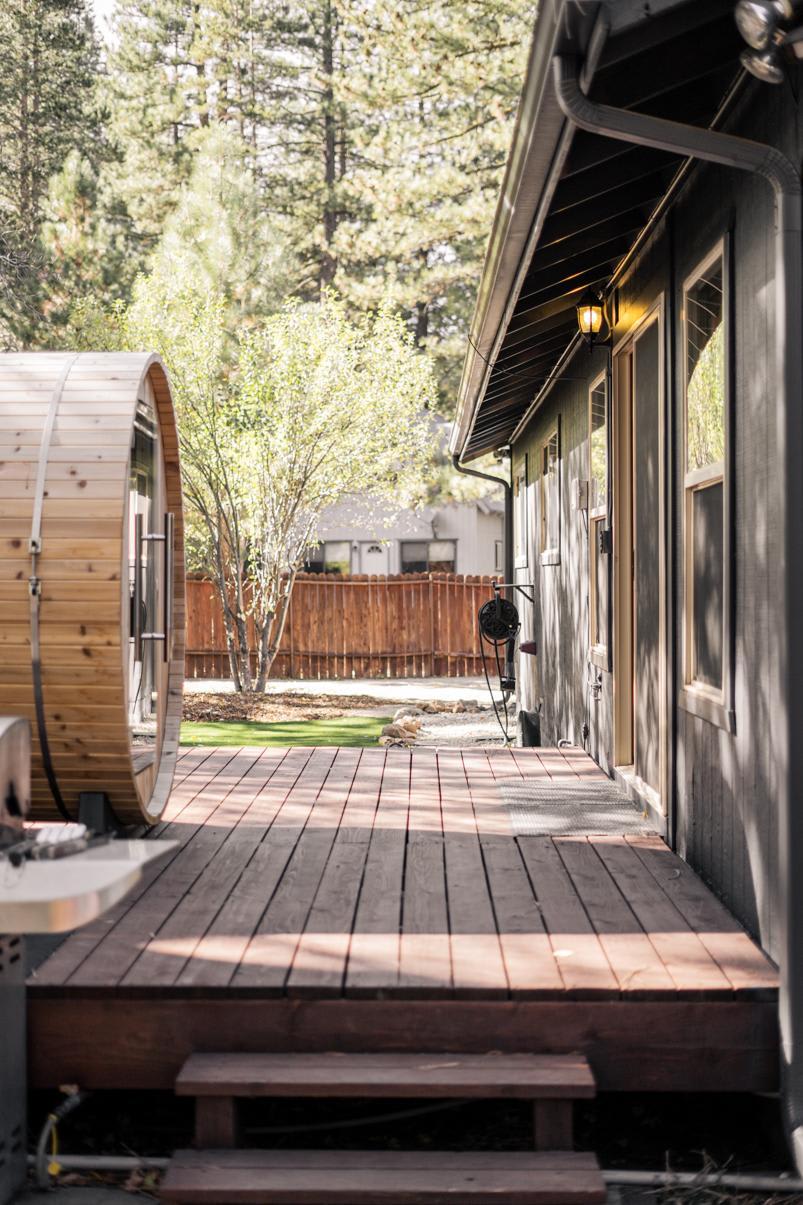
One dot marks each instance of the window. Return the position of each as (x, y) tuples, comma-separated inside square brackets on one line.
[(550, 500), (598, 520), (520, 513), (428, 556), (706, 552), (499, 556), (333, 556)]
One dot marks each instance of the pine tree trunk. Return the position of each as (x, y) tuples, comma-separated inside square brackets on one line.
[(328, 261)]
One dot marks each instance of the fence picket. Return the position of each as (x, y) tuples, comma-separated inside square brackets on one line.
[(412, 624)]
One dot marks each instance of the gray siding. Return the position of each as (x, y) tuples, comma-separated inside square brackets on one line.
[(723, 816)]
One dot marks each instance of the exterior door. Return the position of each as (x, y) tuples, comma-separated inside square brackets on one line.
[(373, 557), (639, 560)]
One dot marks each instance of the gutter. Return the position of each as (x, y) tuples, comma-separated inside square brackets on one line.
[(787, 651), (660, 211), (539, 146), (507, 487)]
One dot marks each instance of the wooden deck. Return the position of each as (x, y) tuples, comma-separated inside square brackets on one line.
[(359, 899)]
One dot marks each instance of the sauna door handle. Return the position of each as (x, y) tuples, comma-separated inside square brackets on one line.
[(137, 616), (168, 539), (170, 534)]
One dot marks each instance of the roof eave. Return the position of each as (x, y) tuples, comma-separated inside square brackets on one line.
[(531, 163)]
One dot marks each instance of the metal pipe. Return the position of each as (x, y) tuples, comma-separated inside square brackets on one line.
[(102, 1163), (742, 1182), (507, 487), (745, 1183), (787, 653)]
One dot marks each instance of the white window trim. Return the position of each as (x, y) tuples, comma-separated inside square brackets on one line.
[(597, 518), (698, 698), (548, 555)]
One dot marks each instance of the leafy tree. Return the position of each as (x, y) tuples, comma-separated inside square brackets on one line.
[(283, 409), (314, 408)]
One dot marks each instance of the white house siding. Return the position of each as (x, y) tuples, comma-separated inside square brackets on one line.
[(474, 526)]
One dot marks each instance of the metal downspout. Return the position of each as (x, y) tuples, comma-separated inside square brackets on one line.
[(508, 488), (785, 740)]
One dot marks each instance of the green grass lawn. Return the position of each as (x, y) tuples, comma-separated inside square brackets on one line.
[(348, 730)]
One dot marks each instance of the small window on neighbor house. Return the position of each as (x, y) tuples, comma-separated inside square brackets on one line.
[(333, 556), (550, 499), (428, 556), (499, 556), (597, 519), (520, 512), (442, 556), (706, 549)]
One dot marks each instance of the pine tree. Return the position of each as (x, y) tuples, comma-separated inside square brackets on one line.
[(444, 78), (47, 91), (375, 134)]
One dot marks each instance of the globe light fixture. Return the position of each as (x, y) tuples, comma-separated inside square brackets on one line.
[(763, 64), (758, 20), (590, 313)]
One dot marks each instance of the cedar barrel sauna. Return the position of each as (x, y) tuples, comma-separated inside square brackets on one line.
[(92, 578)]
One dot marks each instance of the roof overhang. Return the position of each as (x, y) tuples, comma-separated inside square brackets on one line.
[(573, 204)]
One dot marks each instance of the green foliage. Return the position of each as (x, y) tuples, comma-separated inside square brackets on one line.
[(48, 108), (85, 240), (375, 133), (705, 405), (297, 413)]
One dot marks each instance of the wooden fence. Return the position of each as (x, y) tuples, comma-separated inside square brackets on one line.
[(414, 625)]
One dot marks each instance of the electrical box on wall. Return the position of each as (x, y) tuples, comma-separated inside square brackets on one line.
[(579, 494)]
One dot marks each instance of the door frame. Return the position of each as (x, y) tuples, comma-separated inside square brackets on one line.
[(624, 622)]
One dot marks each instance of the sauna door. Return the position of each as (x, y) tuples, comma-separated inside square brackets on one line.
[(639, 561)]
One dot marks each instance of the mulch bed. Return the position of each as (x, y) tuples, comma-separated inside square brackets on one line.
[(219, 708)]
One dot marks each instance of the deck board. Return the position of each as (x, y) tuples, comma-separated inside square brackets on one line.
[(368, 872), (347, 880)]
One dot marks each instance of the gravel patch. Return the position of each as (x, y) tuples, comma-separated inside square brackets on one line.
[(467, 728)]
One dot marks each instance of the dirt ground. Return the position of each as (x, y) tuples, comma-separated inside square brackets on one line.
[(218, 708)]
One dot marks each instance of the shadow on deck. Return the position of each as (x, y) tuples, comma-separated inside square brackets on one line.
[(363, 899)]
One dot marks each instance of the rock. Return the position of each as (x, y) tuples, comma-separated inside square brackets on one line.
[(403, 712), (395, 732), (409, 723), (430, 708), (457, 708)]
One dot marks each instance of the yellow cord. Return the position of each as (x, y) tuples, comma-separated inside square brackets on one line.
[(54, 1167)]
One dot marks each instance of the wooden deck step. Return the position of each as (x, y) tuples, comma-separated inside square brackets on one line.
[(508, 1076), (386, 1177), (553, 1082)]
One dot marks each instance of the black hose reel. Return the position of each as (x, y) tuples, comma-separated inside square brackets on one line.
[(499, 625), (499, 620)]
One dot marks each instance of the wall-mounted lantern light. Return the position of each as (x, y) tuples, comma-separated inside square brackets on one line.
[(760, 24), (758, 20), (590, 315)]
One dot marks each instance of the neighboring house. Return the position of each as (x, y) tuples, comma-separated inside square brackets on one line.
[(658, 478), (362, 537)]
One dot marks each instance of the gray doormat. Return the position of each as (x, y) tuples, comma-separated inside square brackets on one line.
[(548, 807)]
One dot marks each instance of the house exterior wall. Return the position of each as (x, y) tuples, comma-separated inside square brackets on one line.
[(721, 786), (473, 531)]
